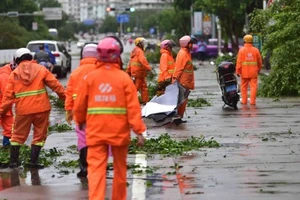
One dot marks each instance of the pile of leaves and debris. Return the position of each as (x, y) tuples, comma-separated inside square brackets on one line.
[(47, 156), (199, 102), (60, 127), (167, 146), (163, 145)]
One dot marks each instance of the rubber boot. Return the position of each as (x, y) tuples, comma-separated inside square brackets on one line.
[(14, 156), (179, 121), (34, 156), (82, 162)]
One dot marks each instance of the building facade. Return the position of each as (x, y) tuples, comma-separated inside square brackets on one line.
[(95, 10)]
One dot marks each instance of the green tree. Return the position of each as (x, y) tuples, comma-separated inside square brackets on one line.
[(183, 16), (110, 24), (16, 32), (279, 25)]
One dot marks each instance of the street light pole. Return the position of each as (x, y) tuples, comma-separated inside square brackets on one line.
[(121, 27), (192, 18), (219, 36)]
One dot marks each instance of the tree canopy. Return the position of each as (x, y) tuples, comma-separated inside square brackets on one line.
[(279, 25), (16, 32)]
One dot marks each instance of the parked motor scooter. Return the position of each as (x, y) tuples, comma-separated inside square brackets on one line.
[(227, 81)]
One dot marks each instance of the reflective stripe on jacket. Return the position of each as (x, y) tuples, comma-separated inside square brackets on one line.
[(4, 75), (26, 85), (184, 69), (166, 65), (30, 93), (249, 61), (138, 64), (106, 110), (109, 106)]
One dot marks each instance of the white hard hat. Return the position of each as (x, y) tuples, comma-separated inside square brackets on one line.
[(19, 53)]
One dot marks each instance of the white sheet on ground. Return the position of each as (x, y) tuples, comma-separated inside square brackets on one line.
[(165, 103)]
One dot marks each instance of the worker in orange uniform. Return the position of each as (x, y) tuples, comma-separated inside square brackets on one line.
[(248, 66), (87, 64), (138, 67), (26, 87), (7, 118), (184, 71), (109, 106), (166, 65)]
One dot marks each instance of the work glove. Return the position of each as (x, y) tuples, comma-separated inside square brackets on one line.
[(69, 116), (140, 140)]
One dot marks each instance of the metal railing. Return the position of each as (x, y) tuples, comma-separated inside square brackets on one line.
[(6, 55)]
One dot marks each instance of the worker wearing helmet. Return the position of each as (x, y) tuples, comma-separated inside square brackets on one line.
[(184, 69), (108, 105), (87, 64), (248, 66), (6, 120), (138, 67), (166, 65), (26, 87)]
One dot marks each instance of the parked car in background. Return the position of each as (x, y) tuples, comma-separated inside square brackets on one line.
[(53, 32), (60, 68), (211, 49)]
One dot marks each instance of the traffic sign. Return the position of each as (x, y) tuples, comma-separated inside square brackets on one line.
[(34, 26), (257, 41), (54, 13), (123, 18)]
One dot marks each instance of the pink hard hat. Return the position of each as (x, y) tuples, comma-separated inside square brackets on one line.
[(90, 50), (183, 42), (167, 43), (109, 50)]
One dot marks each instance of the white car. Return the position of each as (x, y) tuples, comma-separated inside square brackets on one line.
[(60, 68)]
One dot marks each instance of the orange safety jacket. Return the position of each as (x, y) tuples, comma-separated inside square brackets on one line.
[(109, 106), (249, 61), (184, 69), (4, 75), (86, 65), (166, 65), (26, 85), (138, 64)]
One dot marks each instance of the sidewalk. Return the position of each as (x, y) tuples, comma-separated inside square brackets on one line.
[(259, 157)]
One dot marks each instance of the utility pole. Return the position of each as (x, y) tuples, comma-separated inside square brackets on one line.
[(192, 18), (264, 4), (219, 36)]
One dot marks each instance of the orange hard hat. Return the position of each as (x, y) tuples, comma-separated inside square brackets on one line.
[(248, 38)]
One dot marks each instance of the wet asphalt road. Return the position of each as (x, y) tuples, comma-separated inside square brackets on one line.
[(259, 157)]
